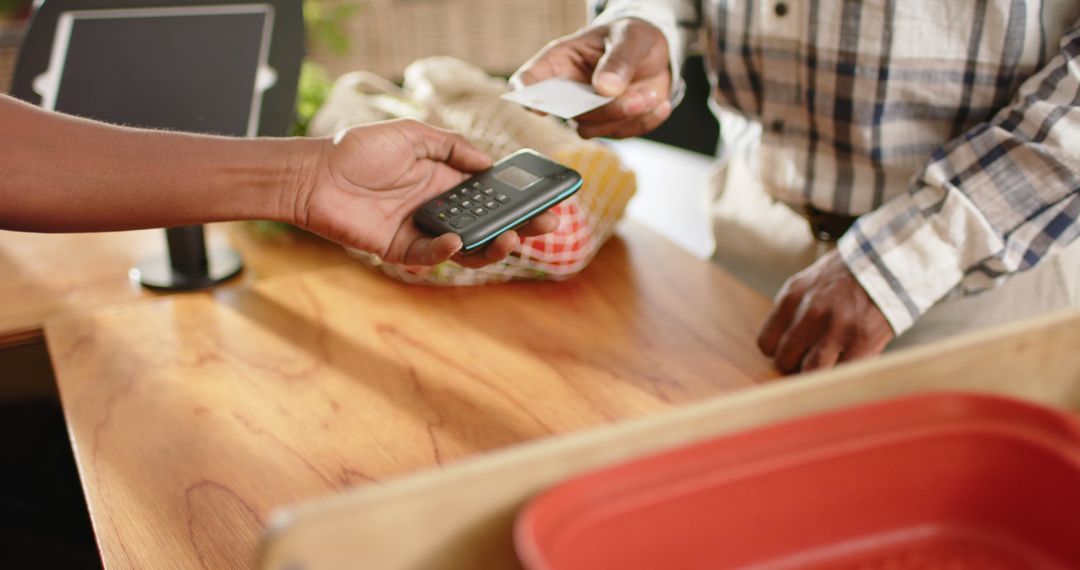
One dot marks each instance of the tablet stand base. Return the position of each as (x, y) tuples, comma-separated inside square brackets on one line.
[(188, 264)]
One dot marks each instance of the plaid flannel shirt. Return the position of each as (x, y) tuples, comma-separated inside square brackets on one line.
[(950, 127)]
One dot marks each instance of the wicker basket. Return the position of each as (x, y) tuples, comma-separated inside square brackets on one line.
[(496, 35)]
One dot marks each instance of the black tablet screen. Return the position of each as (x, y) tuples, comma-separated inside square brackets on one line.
[(191, 72)]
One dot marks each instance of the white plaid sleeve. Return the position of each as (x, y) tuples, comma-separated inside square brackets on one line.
[(678, 20), (992, 202)]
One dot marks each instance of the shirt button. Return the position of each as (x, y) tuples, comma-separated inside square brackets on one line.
[(781, 9), (777, 126)]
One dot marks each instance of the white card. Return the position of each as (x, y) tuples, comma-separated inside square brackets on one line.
[(558, 96)]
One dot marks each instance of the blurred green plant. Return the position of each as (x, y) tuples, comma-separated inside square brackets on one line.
[(11, 9), (311, 93), (270, 231), (325, 23)]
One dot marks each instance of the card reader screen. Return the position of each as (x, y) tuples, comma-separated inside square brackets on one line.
[(517, 177)]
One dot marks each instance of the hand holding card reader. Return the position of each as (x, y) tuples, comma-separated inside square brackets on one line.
[(504, 197)]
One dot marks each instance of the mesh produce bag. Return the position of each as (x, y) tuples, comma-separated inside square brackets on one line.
[(455, 95)]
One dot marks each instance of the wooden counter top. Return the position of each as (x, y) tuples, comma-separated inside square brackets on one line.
[(193, 417), (47, 275)]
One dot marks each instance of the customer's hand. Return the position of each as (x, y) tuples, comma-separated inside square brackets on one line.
[(366, 183), (627, 59), (823, 316)]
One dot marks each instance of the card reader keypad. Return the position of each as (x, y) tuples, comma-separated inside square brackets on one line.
[(464, 206), (506, 196)]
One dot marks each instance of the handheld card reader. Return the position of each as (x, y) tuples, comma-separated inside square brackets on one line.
[(504, 197)]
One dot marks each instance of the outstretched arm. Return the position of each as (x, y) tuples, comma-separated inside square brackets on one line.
[(64, 174)]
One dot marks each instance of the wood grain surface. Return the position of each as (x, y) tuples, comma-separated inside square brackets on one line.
[(47, 275), (462, 517), (193, 417)]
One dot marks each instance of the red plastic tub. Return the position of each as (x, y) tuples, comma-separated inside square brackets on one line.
[(933, 481)]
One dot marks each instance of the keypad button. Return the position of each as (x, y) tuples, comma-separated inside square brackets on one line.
[(477, 198), (502, 198), (491, 204), (443, 216), (454, 211), (466, 204), (435, 205), (462, 221), (453, 197), (489, 191), (479, 211), (476, 185)]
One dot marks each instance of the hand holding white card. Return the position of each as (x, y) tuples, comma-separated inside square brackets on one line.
[(559, 96)]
